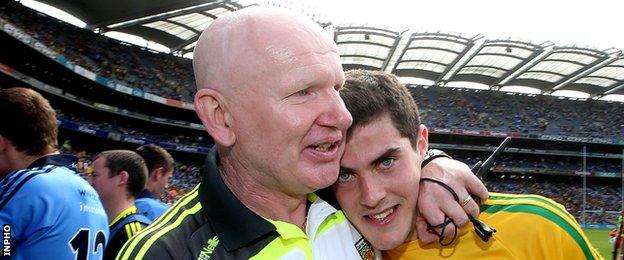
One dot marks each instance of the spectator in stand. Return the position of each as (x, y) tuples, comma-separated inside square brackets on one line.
[(49, 208), (119, 177), (191, 140), (160, 168)]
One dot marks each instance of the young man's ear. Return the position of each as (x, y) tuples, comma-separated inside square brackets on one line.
[(157, 174), (3, 143), (123, 178), (423, 140), (215, 116)]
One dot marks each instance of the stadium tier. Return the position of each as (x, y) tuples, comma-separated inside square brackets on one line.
[(496, 111), (164, 75)]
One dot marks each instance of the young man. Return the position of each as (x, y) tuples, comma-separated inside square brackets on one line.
[(381, 166), (160, 168), (48, 210), (119, 177)]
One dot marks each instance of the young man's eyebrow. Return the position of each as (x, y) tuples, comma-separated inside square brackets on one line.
[(388, 153), (346, 169)]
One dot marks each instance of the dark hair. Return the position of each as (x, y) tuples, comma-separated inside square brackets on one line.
[(28, 121), (129, 161), (155, 157), (370, 94)]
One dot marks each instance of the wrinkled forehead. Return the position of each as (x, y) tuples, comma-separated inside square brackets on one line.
[(282, 56), (253, 46), (286, 40)]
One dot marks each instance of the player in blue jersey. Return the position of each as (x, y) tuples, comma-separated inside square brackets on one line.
[(47, 211), (160, 168), (119, 177)]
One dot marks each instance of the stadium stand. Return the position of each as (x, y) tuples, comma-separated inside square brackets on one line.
[(157, 73), (603, 199), (130, 131), (503, 112)]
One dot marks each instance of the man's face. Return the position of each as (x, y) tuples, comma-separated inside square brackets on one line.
[(290, 122), (101, 181), (377, 187)]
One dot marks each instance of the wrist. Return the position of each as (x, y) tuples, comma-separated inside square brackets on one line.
[(432, 154)]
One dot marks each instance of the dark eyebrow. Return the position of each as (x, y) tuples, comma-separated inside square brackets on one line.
[(388, 153), (346, 170)]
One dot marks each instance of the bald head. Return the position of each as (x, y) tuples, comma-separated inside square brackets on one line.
[(245, 47)]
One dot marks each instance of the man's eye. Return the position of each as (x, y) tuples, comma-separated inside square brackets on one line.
[(303, 92), (345, 177), (387, 163)]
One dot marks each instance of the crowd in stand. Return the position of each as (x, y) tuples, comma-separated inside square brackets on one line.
[(197, 140), (500, 112), (170, 76), (601, 199), (157, 73), (566, 164)]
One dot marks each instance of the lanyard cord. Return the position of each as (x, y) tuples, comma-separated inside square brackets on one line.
[(483, 231)]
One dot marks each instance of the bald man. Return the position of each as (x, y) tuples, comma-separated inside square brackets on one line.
[(268, 85)]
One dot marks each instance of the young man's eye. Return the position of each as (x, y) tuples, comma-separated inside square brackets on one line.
[(387, 163), (345, 177)]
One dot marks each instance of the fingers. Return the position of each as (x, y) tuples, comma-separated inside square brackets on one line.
[(456, 213), (458, 176), (472, 208), (476, 187), (458, 210), (434, 203), (423, 235)]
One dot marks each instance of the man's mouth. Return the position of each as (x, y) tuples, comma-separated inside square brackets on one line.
[(324, 147), (382, 217)]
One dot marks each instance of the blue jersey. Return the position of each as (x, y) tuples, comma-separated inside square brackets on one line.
[(149, 206), (50, 212)]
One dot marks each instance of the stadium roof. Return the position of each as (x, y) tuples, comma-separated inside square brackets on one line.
[(435, 56), (175, 24), (442, 58)]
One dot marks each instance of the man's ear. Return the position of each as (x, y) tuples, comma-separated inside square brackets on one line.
[(157, 174), (215, 116), (423, 140), (3, 143), (123, 178)]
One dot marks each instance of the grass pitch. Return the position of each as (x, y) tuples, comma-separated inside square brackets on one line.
[(600, 240)]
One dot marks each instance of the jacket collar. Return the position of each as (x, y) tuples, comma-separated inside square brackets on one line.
[(234, 223), (66, 160)]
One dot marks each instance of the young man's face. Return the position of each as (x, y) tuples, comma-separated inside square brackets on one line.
[(101, 179), (377, 187)]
